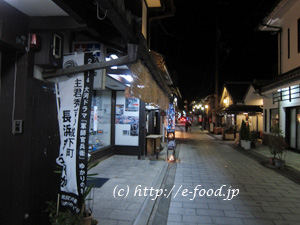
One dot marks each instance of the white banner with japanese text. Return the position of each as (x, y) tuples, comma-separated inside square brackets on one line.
[(74, 94)]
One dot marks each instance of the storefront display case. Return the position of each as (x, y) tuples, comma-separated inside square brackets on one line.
[(100, 124)]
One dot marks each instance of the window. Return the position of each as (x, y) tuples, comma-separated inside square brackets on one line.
[(266, 119), (57, 46), (274, 118), (100, 123), (288, 37)]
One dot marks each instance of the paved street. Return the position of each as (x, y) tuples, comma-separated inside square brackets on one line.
[(264, 197), (212, 183)]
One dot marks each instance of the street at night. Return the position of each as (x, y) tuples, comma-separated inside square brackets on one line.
[(150, 112)]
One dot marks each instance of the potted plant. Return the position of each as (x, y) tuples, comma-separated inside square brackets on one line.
[(247, 143), (86, 216), (245, 136), (243, 133), (58, 217), (277, 146)]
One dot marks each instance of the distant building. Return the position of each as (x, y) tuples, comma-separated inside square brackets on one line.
[(239, 102)]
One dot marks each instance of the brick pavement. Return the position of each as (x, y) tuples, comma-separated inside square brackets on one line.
[(265, 197)]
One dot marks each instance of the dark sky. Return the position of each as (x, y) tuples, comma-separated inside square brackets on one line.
[(188, 42)]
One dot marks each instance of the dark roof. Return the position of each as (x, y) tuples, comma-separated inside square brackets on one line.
[(243, 108), (237, 90)]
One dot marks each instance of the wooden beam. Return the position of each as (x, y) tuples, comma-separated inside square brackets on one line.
[(131, 57)]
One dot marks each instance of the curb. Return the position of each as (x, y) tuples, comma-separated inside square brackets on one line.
[(147, 207), (159, 215)]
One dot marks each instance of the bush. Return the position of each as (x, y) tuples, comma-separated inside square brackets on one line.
[(277, 143), (245, 131)]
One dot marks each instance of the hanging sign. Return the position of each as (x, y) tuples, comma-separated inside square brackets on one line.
[(75, 95)]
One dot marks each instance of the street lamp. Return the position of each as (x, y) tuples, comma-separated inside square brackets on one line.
[(206, 123)]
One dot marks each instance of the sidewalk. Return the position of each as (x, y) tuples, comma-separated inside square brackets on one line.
[(292, 159), (121, 200)]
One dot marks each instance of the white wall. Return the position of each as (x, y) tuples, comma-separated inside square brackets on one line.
[(252, 98), (225, 95), (289, 21), (268, 104)]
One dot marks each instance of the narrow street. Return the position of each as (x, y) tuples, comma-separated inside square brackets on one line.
[(211, 183), (216, 184)]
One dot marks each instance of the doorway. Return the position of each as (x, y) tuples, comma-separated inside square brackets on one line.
[(293, 128)]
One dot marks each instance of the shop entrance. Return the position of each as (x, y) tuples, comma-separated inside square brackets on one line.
[(293, 127)]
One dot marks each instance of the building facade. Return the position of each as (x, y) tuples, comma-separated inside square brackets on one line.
[(39, 48), (239, 101), (281, 95)]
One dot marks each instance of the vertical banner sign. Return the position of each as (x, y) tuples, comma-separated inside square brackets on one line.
[(171, 117), (171, 128), (75, 94)]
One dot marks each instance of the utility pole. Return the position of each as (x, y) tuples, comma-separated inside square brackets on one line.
[(217, 69), (216, 73)]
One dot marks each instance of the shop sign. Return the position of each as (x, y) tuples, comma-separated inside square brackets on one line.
[(171, 139), (74, 96)]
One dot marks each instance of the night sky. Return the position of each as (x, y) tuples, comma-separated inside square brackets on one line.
[(188, 42)]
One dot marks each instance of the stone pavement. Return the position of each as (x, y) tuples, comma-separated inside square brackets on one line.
[(265, 197), (121, 199)]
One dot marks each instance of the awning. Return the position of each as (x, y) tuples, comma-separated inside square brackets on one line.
[(281, 81), (243, 108)]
